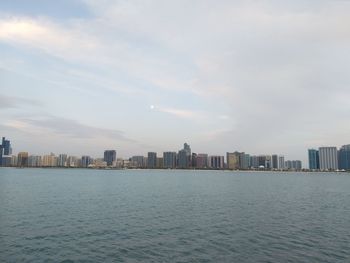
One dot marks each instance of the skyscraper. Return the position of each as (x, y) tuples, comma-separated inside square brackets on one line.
[(281, 162), (314, 159), (5, 149), (152, 160), (22, 159), (216, 162), (6, 145), (274, 161), (344, 157), (202, 160), (233, 160), (86, 161), (328, 158), (169, 160), (184, 157), (109, 157)]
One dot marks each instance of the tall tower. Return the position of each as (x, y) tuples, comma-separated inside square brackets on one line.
[(328, 158)]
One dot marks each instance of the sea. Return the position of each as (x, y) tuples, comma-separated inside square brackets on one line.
[(85, 215)]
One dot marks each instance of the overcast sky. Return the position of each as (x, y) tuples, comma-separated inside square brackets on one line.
[(263, 77)]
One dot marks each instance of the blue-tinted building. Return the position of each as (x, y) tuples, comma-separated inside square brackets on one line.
[(344, 157), (151, 160), (314, 159), (169, 160), (109, 157), (5, 149)]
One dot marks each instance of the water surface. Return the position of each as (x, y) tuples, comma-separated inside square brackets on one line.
[(79, 215)]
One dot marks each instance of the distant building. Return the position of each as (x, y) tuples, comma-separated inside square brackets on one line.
[(202, 161), (34, 161), (137, 161), (293, 165), (184, 157), (5, 150), (152, 160), (169, 160), (281, 162), (254, 162), (244, 161), (22, 159), (110, 156), (328, 158), (62, 160), (233, 160), (344, 157), (194, 160), (72, 161), (159, 162), (86, 161), (314, 159), (274, 161), (216, 162)]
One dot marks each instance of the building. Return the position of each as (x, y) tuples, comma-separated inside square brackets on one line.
[(86, 161), (22, 159), (160, 162), (49, 160), (169, 160), (344, 157), (254, 162), (34, 161), (328, 158), (233, 160), (194, 160), (137, 161), (5, 151), (216, 162), (184, 157), (244, 161), (314, 159), (152, 160), (295, 165), (274, 161), (72, 161), (62, 160), (281, 162), (109, 157), (202, 161)]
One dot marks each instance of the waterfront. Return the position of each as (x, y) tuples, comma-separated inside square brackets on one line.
[(81, 215)]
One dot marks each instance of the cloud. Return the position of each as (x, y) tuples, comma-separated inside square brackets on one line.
[(66, 128), (8, 102)]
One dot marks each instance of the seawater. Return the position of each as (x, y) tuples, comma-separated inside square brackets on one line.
[(81, 215)]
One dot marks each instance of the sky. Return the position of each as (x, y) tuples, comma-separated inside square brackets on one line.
[(264, 77)]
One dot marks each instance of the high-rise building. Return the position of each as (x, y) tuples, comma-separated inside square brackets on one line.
[(151, 160), (281, 162), (233, 160), (138, 161), (314, 159), (5, 150), (202, 161), (86, 161), (274, 161), (216, 162), (22, 159), (328, 158), (194, 160), (109, 157), (344, 157), (169, 160), (62, 160), (244, 160), (34, 161), (184, 157), (254, 162)]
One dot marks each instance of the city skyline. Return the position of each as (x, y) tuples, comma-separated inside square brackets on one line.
[(262, 77)]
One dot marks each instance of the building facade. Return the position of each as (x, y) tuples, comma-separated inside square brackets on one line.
[(314, 159), (328, 158), (110, 156)]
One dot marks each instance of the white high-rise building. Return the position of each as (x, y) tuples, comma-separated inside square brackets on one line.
[(328, 158)]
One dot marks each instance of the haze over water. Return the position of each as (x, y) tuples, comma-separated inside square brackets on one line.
[(76, 215)]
